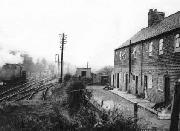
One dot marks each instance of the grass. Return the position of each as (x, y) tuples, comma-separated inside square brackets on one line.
[(33, 116), (68, 108)]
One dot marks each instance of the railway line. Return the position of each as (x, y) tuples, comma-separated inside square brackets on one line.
[(28, 94), (25, 90), (42, 91)]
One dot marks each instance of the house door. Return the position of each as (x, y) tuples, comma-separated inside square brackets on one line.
[(166, 89), (83, 73), (117, 80), (126, 82), (136, 85), (113, 80), (145, 86)]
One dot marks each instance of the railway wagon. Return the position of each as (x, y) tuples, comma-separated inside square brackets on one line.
[(12, 73)]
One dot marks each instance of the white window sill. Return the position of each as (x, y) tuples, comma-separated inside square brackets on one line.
[(177, 49), (160, 52), (160, 90)]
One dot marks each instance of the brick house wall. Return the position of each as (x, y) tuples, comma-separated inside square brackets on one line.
[(161, 66), (155, 66), (148, 64), (135, 75), (121, 68)]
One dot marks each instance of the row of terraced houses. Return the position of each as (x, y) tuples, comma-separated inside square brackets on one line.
[(148, 64)]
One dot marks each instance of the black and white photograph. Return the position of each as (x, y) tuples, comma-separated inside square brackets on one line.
[(89, 65)]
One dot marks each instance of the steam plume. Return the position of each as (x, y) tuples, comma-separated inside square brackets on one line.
[(9, 56)]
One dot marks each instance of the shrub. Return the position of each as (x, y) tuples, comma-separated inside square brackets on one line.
[(67, 77), (78, 96), (115, 121)]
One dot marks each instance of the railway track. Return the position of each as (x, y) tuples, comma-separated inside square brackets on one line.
[(31, 92), (24, 90), (43, 90)]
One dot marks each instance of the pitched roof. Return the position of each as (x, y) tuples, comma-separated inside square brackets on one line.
[(167, 24)]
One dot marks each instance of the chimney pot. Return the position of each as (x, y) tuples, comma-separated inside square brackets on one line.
[(155, 17)]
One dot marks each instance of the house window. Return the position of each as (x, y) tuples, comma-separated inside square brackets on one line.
[(150, 48), (124, 55), (135, 52), (119, 76), (149, 81), (161, 46), (177, 43), (120, 55), (133, 77), (160, 83)]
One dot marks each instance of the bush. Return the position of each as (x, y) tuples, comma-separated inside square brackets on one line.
[(115, 121), (67, 77), (78, 96)]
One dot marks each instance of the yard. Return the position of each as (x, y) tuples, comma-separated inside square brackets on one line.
[(109, 100)]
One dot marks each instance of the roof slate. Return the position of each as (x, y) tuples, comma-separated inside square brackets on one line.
[(167, 24)]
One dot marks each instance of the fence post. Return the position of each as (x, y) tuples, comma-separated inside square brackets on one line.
[(135, 113), (175, 108)]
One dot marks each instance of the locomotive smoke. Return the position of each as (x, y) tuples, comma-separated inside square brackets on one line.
[(10, 56)]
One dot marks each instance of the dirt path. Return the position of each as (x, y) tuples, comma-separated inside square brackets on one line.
[(109, 100)]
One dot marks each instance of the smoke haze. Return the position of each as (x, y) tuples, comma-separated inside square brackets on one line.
[(9, 56)]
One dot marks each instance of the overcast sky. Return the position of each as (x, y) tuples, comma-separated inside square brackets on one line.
[(94, 27)]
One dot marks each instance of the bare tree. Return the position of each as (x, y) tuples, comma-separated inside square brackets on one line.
[(107, 70)]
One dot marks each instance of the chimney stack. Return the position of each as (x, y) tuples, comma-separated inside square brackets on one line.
[(87, 65), (155, 17)]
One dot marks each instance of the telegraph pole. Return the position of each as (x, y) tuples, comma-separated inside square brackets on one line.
[(175, 108), (62, 42)]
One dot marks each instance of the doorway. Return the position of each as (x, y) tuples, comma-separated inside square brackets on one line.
[(113, 80), (117, 80), (166, 89), (136, 88), (145, 86), (83, 73), (126, 82)]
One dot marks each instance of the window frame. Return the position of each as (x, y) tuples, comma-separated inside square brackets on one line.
[(150, 81), (120, 55), (124, 54), (135, 52), (150, 48), (177, 40), (160, 81), (161, 46)]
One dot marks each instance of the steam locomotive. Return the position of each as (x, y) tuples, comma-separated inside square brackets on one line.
[(12, 73)]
